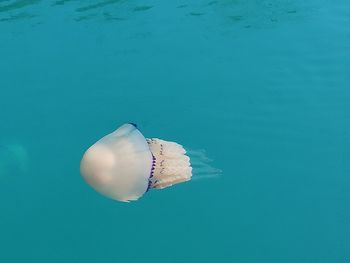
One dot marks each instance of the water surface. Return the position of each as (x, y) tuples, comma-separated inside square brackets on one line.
[(262, 86)]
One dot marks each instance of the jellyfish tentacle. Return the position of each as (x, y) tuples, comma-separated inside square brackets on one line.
[(172, 165), (201, 165)]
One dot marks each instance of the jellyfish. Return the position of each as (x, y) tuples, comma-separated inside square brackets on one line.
[(13, 158), (124, 165)]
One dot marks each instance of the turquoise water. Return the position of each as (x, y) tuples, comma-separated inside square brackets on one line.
[(262, 86)]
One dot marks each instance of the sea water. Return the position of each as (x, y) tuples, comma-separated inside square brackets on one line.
[(262, 86)]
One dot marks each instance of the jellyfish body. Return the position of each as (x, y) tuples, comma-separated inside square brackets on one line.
[(124, 165), (13, 158)]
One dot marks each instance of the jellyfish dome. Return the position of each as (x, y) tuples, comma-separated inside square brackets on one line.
[(124, 165)]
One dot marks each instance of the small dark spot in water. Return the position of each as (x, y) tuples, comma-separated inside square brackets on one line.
[(291, 11), (273, 20), (142, 8), (116, 19), (61, 2), (196, 14), (236, 18), (248, 26), (213, 3), (181, 6)]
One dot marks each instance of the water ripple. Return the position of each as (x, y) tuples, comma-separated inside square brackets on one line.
[(223, 13), (61, 2), (16, 17), (97, 5), (142, 8), (17, 5)]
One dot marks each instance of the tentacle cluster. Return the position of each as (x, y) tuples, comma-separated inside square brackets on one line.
[(170, 165)]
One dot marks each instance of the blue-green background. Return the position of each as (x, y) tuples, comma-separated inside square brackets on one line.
[(262, 86)]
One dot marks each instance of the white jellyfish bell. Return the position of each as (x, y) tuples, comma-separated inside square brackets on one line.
[(124, 165)]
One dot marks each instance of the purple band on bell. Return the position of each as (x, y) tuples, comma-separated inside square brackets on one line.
[(151, 173)]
